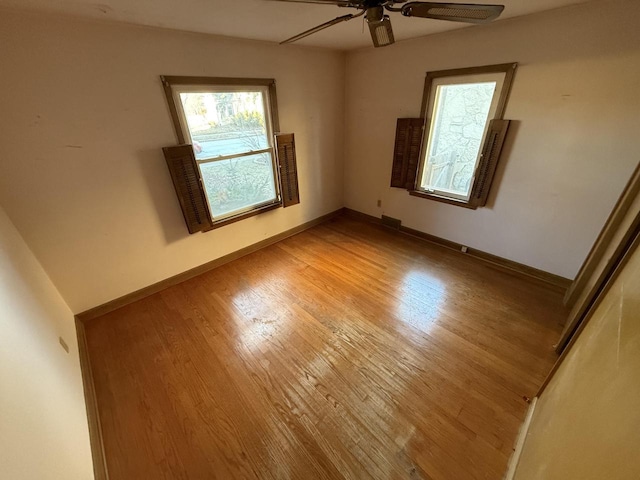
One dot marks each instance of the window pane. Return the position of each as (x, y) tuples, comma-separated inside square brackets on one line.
[(238, 183), (455, 136), (225, 123)]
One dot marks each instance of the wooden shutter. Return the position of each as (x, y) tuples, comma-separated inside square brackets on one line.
[(496, 134), (406, 154), (186, 180), (286, 150)]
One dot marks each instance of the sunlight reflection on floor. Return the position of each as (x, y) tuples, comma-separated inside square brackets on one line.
[(421, 295), (263, 320)]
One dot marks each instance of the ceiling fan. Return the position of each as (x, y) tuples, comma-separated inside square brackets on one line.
[(380, 25)]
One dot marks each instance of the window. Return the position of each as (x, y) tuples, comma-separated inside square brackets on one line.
[(461, 135), (230, 125)]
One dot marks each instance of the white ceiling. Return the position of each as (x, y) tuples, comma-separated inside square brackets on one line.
[(262, 19)]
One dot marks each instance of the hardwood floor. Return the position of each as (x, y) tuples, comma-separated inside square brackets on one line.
[(343, 352)]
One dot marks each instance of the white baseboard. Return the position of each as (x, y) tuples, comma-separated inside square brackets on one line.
[(522, 436)]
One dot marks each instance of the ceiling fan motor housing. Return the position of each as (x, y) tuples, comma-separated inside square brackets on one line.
[(374, 14), (379, 26)]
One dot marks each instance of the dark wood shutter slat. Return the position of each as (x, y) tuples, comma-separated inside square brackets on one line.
[(406, 154), (186, 180), (413, 158), (491, 150), (398, 170), (286, 150)]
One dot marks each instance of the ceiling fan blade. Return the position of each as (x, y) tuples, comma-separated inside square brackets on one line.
[(340, 3), (328, 24), (454, 12)]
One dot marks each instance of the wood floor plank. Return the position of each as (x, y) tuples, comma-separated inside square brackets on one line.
[(346, 351), (441, 388)]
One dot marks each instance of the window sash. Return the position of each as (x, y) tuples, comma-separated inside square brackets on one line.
[(500, 79), (275, 200), (266, 106), (176, 90)]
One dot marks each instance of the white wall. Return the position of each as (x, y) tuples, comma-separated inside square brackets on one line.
[(84, 118), (586, 424), (575, 99), (43, 421)]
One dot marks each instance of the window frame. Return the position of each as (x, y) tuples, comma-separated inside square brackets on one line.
[(174, 85), (509, 71)]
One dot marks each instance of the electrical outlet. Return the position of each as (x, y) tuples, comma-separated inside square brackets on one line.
[(463, 249), (379, 203), (64, 344)]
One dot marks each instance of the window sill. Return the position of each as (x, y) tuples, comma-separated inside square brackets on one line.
[(242, 216), (440, 198)]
